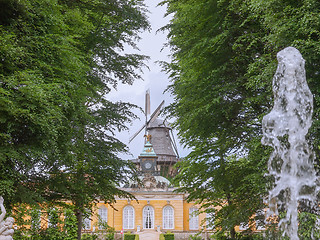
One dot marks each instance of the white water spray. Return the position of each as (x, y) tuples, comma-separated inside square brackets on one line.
[(285, 128)]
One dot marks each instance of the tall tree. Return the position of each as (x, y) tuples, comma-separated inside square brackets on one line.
[(223, 60), (59, 59)]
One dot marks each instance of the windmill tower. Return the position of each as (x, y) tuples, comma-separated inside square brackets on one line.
[(160, 138)]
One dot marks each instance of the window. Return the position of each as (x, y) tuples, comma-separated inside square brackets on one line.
[(86, 221), (193, 218), (148, 217), (259, 219), (210, 219), (35, 218), (103, 216), (53, 218), (128, 217), (243, 226), (168, 217)]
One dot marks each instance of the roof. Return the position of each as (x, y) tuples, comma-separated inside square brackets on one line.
[(160, 137), (159, 123)]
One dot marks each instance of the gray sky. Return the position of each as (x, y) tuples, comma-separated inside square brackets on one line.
[(151, 45)]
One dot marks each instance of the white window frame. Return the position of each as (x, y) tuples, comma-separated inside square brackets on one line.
[(49, 216), (193, 218), (209, 216), (128, 217), (86, 222), (243, 226), (144, 213), (168, 217), (102, 216), (258, 226), (36, 224)]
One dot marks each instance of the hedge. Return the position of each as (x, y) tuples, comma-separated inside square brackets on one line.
[(130, 236), (168, 236)]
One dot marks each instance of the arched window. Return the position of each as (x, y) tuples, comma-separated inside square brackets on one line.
[(103, 217), (210, 219), (128, 217), (168, 217), (259, 218), (53, 217), (86, 220), (35, 218), (148, 217), (193, 218), (243, 226)]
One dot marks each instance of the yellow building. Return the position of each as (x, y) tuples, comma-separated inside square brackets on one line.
[(157, 207)]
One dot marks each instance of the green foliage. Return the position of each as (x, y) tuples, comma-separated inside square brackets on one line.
[(168, 236), (89, 237), (106, 231), (129, 236), (161, 236), (240, 236), (29, 227), (308, 226), (19, 216), (223, 61), (70, 224), (195, 237), (59, 59)]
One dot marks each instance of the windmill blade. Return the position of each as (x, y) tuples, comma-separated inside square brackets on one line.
[(153, 116), (156, 113), (174, 144), (136, 134), (147, 106)]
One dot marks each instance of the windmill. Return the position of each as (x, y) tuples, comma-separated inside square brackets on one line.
[(153, 116), (162, 138)]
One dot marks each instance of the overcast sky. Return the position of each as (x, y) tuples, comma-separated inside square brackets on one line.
[(151, 44)]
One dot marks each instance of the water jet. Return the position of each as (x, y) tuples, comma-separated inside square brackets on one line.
[(285, 129)]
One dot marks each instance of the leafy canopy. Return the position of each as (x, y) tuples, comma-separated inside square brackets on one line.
[(223, 61), (59, 59)]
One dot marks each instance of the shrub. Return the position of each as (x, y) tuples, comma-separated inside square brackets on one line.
[(106, 232), (109, 236), (195, 237), (161, 237), (129, 236), (168, 236), (89, 237)]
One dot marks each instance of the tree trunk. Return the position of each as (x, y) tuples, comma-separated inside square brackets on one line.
[(232, 230), (79, 222), (233, 233)]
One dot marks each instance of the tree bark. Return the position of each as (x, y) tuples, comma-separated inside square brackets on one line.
[(79, 222), (232, 230), (233, 233)]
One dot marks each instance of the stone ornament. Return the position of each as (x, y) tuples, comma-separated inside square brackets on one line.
[(6, 226)]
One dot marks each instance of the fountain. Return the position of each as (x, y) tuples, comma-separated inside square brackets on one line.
[(284, 129)]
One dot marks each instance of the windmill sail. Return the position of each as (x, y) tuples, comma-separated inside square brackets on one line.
[(162, 140), (147, 107), (156, 113), (153, 116)]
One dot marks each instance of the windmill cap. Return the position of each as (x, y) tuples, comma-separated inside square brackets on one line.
[(159, 123)]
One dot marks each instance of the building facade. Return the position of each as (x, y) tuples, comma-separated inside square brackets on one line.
[(157, 206)]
